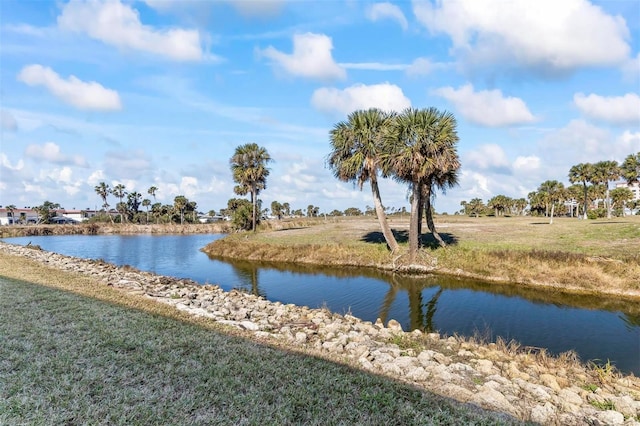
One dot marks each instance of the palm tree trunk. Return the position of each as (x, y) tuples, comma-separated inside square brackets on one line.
[(254, 202), (414, 237), (586, 201), (429, 215), (382, 218), (553, 205), (608, 201)]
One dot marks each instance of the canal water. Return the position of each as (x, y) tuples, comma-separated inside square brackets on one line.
[(597, 328)]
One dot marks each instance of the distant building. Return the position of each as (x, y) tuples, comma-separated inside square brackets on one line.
[(8, 217), (635, 188)]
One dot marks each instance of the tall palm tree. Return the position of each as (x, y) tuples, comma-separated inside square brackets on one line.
[(103, 190), (606, 171), (180, 203), (250, 172), (583, 173), (421, 151), (146, 203), (357, 146), (152, 191), (119, 192), (553, 192)]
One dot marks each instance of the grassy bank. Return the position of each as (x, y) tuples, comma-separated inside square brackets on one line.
[(580, 256), (111, 228), (75, 352)]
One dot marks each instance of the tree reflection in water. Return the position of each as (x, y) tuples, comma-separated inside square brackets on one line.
[(248, 280), (420, 318)]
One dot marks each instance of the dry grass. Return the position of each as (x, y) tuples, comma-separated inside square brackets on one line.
[(592, 256)]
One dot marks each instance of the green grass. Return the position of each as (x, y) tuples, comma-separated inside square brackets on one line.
[(70, 359)]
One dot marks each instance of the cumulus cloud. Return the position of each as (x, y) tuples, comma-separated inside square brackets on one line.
[(488, 157), (487, 107), (379, 11), (51, 153), (311, 58), (629, 142), (612, 109), (545, 35), (526, 164), (73, 91), (579, 141), (119, 25), (385, 96)]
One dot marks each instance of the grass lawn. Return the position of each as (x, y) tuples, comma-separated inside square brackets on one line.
[(66, 358)]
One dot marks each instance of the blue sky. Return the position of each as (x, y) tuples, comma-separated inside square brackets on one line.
[(160, 92)]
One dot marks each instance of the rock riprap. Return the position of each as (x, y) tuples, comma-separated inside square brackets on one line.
[(524, 383)]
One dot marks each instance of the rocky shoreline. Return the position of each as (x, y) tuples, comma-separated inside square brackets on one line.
[(521, 382)]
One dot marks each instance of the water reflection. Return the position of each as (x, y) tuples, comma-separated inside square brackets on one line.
[(247, 275), (414, 286)]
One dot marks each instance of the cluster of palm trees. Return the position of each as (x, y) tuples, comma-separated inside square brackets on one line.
[(600, 174), (129, 210), (416, 146), (590, 186)]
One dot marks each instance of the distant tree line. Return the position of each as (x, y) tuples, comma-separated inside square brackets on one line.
[(589, 195)]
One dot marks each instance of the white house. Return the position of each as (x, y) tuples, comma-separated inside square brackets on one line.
[(10, 217)]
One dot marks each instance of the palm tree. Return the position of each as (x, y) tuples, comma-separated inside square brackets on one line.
[(620, 197), (11, 209), (553, 192), (355, 157), (179, 203), (152, 191), (583, 173), (249, 169), (103, 190), (421, 150), (630, 168), (146, 203), (606, 171), (119, 192)]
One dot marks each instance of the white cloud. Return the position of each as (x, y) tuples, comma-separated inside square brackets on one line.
[(311, 58), (578, 142), (526, 164), (119, 25), (7, 121), (380, 11), (488, 157), (50, 152), (613, 109), (73, 91), (96, 177), (631, 68), (544, 35), (421, 66), (629, 142), (4, 162), (487, 107), (385, 96)]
